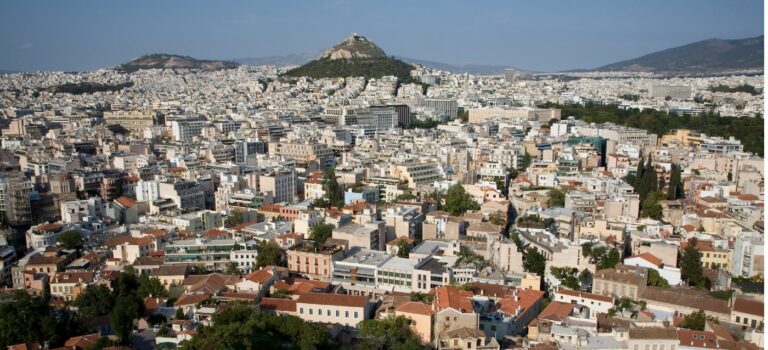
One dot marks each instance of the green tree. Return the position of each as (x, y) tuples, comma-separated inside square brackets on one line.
[(527, 160), (180, 314), (235, 218), (95, 300), (403, 248), (585, 277), (388, 333), (691, 270), (609, 260), (126, 283), (127, 309), (651, 207), (695, 321), (71, 240), (458, 201), (27, 319), (333, 191), (151, 287), (231, 269), (556, 198), (655, 279), (269, 254), (534, 262), (422, 297), (242, 327), (675, 188), (321, 232)]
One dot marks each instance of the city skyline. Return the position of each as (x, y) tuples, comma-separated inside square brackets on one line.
[(52, 36)]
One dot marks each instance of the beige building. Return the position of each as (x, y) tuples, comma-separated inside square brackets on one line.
[(368, 236), (346, 310), (513, 115), (281, 183), (129, 248), (313, 261), (417, 174), (441, 225), (620, 282), (467, 339), (67, 286), (659, 338), (171, 275), (135, 121), (421, 315)]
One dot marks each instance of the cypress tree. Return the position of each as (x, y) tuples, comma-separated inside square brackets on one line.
[(639, 173)]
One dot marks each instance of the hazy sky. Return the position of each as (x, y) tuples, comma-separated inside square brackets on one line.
[(533, 35)]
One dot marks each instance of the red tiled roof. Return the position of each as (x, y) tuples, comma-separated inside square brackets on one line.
[(191, 299), (278, 304), (649, 258), (556, 311), (259, 276), (752, 307), (453, 297), (125, 202), (415, 307), (332, 299)]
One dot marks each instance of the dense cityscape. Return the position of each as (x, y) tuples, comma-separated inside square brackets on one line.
[(359, 201)]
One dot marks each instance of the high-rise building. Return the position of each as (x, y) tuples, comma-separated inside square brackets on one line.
[(445, 106)]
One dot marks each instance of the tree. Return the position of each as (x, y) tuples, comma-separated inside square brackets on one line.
[(180, 314), (127, 309), (71, 240), (151, 287), (422, 297), (403, 248), (232, 269), (639, 174), (651, 207), (655, 279), (95, 300), (675, 188), (242, 327), (458, 201), (691, 270), (534, 262), (333, 192), (321, 232), (695, 321), (126, 283), (498, 218), (609, 260), (27, 319), (585, 279), (235, 218), (388, 333), (527, 160), (269, 254), (556, 198)]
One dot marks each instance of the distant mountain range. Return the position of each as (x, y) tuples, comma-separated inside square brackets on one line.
[(167, 61), (707, 55)]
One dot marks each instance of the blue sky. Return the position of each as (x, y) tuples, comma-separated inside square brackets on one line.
[(534, 35)]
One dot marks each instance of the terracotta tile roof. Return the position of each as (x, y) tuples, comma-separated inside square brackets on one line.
[(156, 233), (649, 258), (191, 299), (27, 346), (83, 341), (49, 227), (653, 333), (414, 307), (278, 304), (129, 240), (214, 233), (74, 277), (210, 283), (125, 202), (45, 260), (332, 299), (453, 297), (556, 311), (259, 276), (301, 286), (242, 296), (752, 307), (526, 298), (685, 297), (699, 339)]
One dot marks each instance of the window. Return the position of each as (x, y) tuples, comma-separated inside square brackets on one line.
[(301, 311), (355, 314), (328, 313), (346, 314), (337, 313), (310, 311)]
